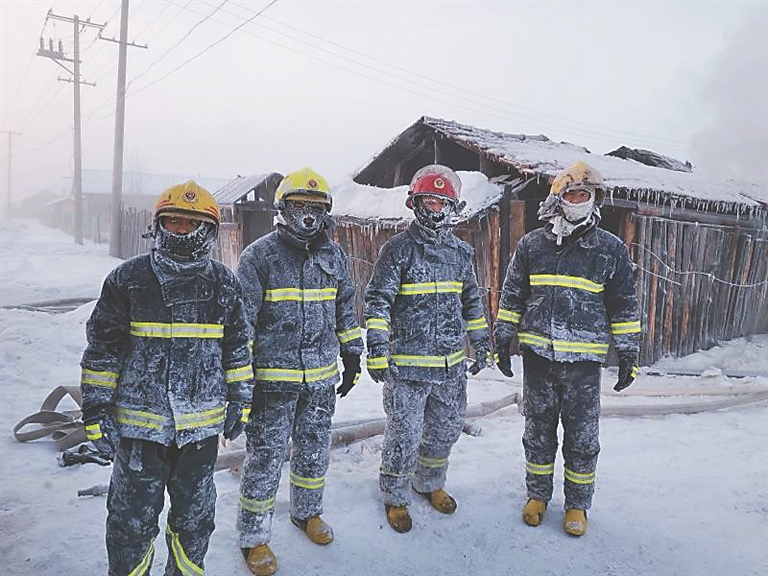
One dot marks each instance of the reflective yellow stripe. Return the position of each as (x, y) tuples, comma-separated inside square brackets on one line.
[(98, 378), (566, 282), (508, 316), (540, 469), (256, 506), (145, 563), (199, 419), (93, 431), (176, 330), (431, 288), (433, 462), (239, 374), (625, 327), (246, 415), (396, 474), (377, 363), (562, 345), (478, 324), (293, 375), (299, 295), (357, 377), (308, 483), (183, 563), (634, 371), (428, 361), (350, 334), (139, 418), (579, 478), (377, 324)]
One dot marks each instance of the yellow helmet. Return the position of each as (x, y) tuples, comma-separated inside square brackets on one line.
[(579, 175), (190, 200), (304, 184)]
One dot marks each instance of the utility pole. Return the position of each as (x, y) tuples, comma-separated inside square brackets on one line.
[(56, 56), (10, 156), (116, 227)]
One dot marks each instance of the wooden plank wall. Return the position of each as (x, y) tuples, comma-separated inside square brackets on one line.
[(698, 284)]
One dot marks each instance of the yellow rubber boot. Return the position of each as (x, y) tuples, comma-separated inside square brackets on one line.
[(575, 522), (261, 561), (442, 501), (533, 511), (316, 529), (399, 518)]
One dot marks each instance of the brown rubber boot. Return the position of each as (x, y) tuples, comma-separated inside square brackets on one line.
[(316, 530), (399, 518), (575, 521), (261, 561), (533, 511), (441, 501)]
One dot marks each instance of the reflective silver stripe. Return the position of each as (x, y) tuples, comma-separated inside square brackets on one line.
[(377, 324), (239, 374), (508, 316), (183, 563), (139, 418), (308, 483), (145, 563), (350, 334), (99, 378), (377, 363), (540, 469), (579, 478), (200, 419), (428, 361), (562, 345), (478, 324), (299, 295), (176, 330), (256, 506), (431, 288), (433, 462), (566, 282), (293, 375), (625, 327), (93, 431)]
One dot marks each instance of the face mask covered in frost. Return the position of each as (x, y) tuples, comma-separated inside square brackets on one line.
[(566, 216), (195, 245), (431, 214), (304, 218)]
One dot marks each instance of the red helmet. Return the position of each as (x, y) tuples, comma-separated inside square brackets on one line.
[(434, 180)]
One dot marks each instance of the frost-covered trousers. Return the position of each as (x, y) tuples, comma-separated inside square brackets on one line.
[(277, 416), (424, 421), (567, 391), (142, 470)]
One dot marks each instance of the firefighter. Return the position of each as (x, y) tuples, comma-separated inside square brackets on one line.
[(166, 370), (421, 301), (301, 301), (568, 290)]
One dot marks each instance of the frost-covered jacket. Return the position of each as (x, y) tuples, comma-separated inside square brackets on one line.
[(566, 302), (301, 303), (421, 301), (167, 356)]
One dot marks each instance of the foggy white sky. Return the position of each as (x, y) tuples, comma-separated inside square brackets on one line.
[(329, 84)]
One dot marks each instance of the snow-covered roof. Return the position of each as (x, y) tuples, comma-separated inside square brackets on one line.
[(388, 204), (537, 155), (241, 186)]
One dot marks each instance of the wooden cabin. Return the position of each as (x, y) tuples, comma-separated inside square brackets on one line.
[(700, 245)]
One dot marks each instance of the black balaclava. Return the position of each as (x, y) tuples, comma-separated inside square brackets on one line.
[(433, 220)]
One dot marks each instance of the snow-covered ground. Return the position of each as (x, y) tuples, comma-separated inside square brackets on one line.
[(677, 494)]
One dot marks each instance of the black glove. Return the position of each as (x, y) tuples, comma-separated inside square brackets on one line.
[(84, 454), (236, 419), (380, 365), (351, 373), (100, 429), (483, 359), (627, 371), (504, 360)]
